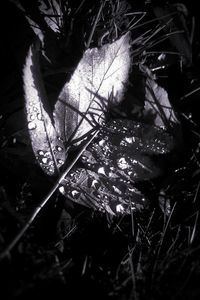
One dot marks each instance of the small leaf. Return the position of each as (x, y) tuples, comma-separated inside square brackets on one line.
[(157, 104), (47, 146), (97, 83)]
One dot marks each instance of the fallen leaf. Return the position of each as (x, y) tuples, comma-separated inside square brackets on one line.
[(47, 145), (123, 153), (97, 83)]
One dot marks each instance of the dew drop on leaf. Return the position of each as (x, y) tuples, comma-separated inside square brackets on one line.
[(41, 153), (44, 160), (39, 116), (60, 161), (122, 163), (32, 117), (95, 183), (101, 143), (62, 189), (116, 190), (58, 148), (31, 125), (101, 170), (75, 194), (119, 208)]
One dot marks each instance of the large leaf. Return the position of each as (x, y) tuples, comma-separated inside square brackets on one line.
[(123, 153), (97, 83), (90, 189), (47, 145)]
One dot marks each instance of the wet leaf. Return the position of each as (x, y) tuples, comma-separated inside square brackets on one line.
[(115, 196), (47, 146), (123, 153), (97, 83)]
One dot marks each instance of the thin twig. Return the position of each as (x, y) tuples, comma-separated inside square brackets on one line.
[(44, 201)]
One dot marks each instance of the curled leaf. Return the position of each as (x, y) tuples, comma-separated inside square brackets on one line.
[(97, 83), (47, 145)]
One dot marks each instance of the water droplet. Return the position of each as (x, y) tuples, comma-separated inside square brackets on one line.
[(35, 109), (75, 194), (116, 189), (101, 170), (122, 163), (14, 140), (41, 153), (59, 149), (101, 143), (62, 189), (31, 125), (95, 183), (44, 160), (32, 117), (50, 170), (130, 140), (60, 161), (134, 161), (60, 139), (39, 116), (119, 208)]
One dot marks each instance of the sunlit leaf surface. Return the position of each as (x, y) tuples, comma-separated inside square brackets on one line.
[(97, 83)]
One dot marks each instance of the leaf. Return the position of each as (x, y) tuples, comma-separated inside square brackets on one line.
[(97, 83), (47, 145), (157, 103), (87, 188), (122, 154)]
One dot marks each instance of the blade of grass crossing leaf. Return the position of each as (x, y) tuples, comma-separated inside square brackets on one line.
[(43, 202)]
